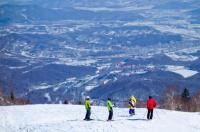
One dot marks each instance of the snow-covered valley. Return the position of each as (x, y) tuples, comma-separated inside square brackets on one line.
[(66, 49)]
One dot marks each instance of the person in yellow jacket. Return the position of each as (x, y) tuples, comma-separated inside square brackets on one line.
[(88, 108), (132, 103), (110, 109)]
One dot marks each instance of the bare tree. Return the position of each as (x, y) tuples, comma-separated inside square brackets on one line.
[(170, 98), (1, 92), (195, 102)]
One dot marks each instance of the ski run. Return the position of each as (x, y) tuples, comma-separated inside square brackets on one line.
[(69, 118)]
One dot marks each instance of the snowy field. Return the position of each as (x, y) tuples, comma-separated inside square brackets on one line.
[(69, 118), (181, 70)]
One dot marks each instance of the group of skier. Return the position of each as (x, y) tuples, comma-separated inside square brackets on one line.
[(151, 104), (109, 105)]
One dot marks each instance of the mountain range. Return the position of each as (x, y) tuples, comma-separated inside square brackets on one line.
[(56, 50)]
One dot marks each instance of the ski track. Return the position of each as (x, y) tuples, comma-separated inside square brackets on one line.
[(69, 118)]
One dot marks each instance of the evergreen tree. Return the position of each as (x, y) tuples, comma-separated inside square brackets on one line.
[(186, 94), (170, 98), (185, 97), (12, 96)]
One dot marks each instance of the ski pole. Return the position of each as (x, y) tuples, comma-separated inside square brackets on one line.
[(145, 114), (157, 113)]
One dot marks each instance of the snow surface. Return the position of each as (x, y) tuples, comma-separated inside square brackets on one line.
[(69, 118), (181, 57), (99, 9), (181, 70), (47, 95)]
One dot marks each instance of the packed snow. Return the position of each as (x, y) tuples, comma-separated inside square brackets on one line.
[(69, 118)]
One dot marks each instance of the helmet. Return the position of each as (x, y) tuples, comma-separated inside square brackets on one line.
[(87, 97), (133, 99)]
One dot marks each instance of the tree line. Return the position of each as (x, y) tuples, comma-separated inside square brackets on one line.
[(173, 99), (11, 99)]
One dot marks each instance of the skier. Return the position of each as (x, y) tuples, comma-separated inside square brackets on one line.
[(88, 108), (110, 109), (151, 104), (132, 102)]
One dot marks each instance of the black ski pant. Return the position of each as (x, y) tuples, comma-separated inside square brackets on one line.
[(150, 114), (88, 113), (110, 114)]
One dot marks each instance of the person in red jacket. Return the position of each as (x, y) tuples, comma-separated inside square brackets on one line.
[(151, 104)]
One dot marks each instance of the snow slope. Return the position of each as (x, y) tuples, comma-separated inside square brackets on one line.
[(181, 70), (68, 118)]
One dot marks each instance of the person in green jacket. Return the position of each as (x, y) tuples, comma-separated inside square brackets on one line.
[(88, 108), (110, 109)]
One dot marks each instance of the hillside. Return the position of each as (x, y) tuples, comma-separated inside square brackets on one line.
[(69, 118), (11, 100), (53, 50)]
